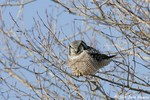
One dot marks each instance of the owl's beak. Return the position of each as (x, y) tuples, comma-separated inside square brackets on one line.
[(72, 50)]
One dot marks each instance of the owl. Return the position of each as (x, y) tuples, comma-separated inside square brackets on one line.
[(85, 60)]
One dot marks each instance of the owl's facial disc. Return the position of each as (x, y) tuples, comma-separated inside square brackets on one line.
[(77, 47), (73, 50)]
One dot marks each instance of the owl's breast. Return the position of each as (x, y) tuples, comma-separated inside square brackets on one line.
[(83, 64)]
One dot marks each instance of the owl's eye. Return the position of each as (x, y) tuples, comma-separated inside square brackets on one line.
[(80, 49), (70, 49)]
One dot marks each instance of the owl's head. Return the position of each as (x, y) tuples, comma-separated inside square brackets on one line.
[(77, 47)]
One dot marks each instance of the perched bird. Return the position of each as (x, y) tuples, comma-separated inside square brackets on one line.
[(85, 60)]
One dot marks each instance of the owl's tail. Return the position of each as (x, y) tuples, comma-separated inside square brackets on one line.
[(111, 56), (107, 57)]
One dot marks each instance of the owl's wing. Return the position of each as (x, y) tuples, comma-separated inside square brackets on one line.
[(97, 55), (92, 50), (100, 57)]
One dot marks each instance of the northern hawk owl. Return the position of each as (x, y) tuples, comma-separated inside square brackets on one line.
[(85, 60)]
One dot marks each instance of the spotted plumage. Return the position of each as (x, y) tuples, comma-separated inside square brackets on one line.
[(85, 60)]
